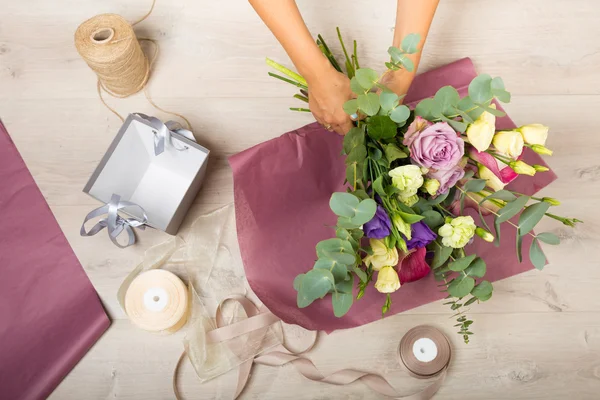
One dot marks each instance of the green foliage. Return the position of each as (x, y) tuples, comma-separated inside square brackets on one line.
[(381, 127), (368, 103), (536, 255), (531, 216), (367, 78)]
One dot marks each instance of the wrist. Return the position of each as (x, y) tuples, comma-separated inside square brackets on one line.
[(316, 67)]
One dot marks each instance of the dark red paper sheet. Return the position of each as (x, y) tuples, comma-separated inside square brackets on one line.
[(50, 314), (282, 189)]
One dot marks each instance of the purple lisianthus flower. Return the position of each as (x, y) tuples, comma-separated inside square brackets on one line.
[(437, 146), (421, 236), (379, 226)]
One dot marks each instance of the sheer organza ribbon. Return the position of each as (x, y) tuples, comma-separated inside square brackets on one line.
[(259, 319), (113, 222)]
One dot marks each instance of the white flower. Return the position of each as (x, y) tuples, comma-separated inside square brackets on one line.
[(382, 255), (407, 179)]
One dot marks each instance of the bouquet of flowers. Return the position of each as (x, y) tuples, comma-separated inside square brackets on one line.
[(410, 174)]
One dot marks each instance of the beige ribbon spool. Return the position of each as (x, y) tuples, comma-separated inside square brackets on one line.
[(423, 350), (157, 301)]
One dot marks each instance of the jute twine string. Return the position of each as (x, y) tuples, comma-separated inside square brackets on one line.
[(110, 47)]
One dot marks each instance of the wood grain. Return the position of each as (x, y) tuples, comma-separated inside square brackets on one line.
[(540, 336)]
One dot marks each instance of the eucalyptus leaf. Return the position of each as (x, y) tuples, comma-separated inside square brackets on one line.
[(519, 245), (400, 114), (549, 238), (461, 286), (366, 78), (482, 290), (341, 303), (447, 97), (407, 63), (480, 89), (336, 249), (345, 285), (428, 109), (531, 216), (458, 126), (351, 106), (343, 204), (355, 86), (368, 103), (342, 233), (536, 255), (364, 212), (410, 43), (393, 152), (511, 209), (339, 271), (345, 222), (395, 53), (497, 230), (316, 284), (381, 127), (477, 268), (388, 100), (440, 256), (298, 281), (461, 263), (495, 112)]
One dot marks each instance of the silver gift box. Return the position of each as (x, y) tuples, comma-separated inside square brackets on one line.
[(164, 185)]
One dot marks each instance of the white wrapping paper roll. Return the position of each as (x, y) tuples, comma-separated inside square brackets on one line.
[(157, 301)]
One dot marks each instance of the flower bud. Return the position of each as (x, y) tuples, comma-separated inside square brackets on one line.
[(485, 235), (410, 201), (522, 168), (551, 201), (387, 280), (538, 148), (431, 186), (534, 133), (509, 143), (540, 168)]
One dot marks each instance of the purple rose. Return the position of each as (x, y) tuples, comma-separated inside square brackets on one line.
[(447, 177), (437, 146), (378, 227), (421, 236)]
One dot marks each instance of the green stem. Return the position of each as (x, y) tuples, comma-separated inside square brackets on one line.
[(344, 50), (300, 97), (286, 71), (355, 57), (492, 211), (297, 84), (299, 109)]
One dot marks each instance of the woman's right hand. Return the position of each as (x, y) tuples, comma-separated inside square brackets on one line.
[(327, 93)]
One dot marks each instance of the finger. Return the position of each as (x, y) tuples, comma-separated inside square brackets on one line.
[(345, 127)]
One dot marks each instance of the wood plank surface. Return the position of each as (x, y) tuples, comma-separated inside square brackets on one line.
[(539, 338)]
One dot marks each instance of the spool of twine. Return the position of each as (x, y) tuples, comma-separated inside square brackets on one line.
[(157, 301), (109, 46)]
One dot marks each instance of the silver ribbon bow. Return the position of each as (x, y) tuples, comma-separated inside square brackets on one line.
[(114, 222), (162, 134)]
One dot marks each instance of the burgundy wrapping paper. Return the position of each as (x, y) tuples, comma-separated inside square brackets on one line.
[(282, 189), (50, 314)]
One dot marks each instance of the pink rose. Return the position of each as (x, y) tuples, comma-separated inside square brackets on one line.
[(437, 146), (447, 177), (414, 129)]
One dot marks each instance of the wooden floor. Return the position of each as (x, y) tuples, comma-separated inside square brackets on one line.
[(540, 336)]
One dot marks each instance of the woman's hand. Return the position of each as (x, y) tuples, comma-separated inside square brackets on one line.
[(327, 93)]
